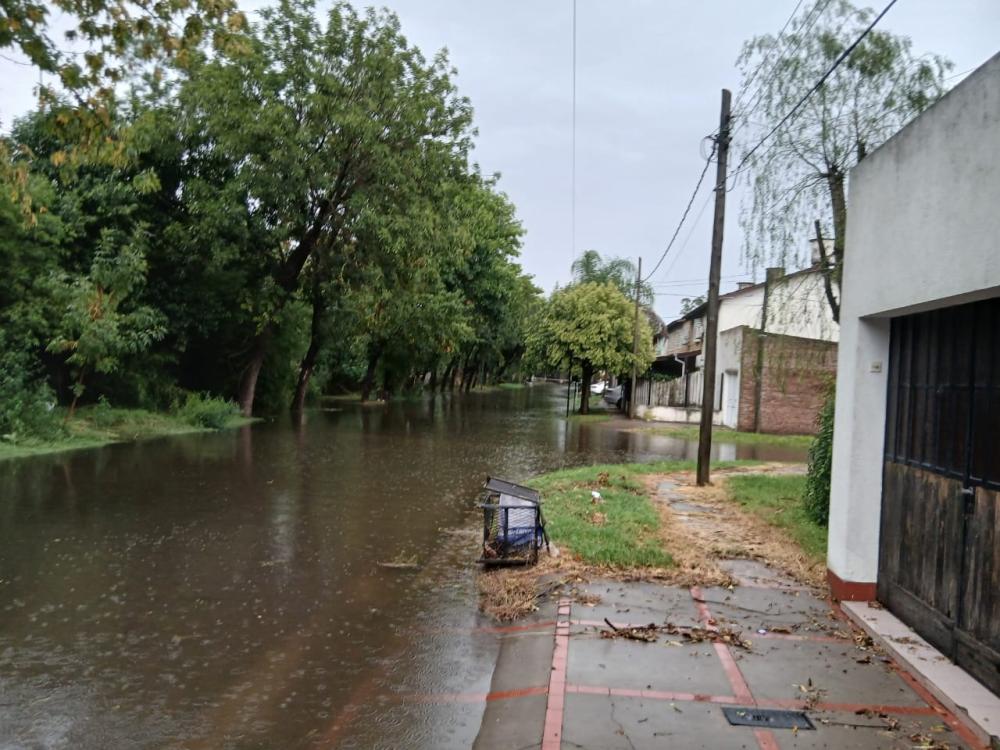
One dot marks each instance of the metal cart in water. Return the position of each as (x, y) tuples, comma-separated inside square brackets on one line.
[(513, 525)]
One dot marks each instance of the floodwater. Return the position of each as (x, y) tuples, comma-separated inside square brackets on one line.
[(222, 591)]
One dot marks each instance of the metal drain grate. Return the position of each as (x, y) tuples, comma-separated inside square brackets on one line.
[(767, 717)]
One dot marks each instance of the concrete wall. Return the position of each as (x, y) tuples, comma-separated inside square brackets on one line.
[(796, 306), (923, 232)]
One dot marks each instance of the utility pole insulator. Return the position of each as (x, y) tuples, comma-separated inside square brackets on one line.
[(711, 333)]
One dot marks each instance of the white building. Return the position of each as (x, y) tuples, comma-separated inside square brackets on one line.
[(798, 329), (915, 502)]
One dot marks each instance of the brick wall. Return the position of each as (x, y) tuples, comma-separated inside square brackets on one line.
[(795, 375)]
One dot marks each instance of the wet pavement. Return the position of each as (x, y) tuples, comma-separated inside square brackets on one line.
[(608, 693)]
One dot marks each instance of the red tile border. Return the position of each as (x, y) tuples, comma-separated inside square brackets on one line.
[(849, 591), (555, 708)]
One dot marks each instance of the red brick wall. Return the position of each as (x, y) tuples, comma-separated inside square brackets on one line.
[(795, 375)]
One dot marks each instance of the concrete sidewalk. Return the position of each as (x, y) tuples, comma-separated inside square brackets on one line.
[(568, 686)]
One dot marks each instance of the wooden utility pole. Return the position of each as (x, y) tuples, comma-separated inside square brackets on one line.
[(635, 344), (712, 318)]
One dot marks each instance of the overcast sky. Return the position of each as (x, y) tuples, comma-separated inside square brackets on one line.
[(649, 74)]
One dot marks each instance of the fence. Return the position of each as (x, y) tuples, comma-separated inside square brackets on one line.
[(684, 391)]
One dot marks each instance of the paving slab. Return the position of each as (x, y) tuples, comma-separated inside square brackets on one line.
[(637, 603), (775, 669), (752, 608), (620, 663), (598, 722)]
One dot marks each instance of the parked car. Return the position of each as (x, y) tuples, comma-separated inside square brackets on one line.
[(598, 388), (614, 396)]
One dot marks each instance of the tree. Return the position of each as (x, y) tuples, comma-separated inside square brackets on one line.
[(591, 325), (100, 325), (799, 177), (691, 303), (313, 122), (590, 267)]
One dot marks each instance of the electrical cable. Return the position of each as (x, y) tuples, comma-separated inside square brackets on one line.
[(694, 194), (815, 87)]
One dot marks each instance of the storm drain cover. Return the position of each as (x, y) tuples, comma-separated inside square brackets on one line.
[(771, 718)]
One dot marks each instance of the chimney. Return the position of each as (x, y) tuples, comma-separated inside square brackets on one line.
[(773, 274), (814, 250)]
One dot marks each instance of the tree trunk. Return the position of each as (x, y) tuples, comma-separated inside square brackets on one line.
[(308, 363), (831, 295), (838, 200), (588, 375), (368, 381), (452, 376), (248, 383), (433, 382)]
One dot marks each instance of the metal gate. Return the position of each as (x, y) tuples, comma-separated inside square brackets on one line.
[(939, 552)]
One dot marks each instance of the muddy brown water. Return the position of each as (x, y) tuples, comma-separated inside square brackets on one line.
[(222, 591)]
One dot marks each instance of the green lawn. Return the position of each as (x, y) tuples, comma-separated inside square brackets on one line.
[(627, 535), (725, 435), (777, 499), (95, 426)]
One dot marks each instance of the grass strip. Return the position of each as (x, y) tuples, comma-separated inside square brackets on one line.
[(725, 435), (622, 530), (93, 427), (777, 499)]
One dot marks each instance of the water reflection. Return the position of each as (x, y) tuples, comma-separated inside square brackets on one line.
[(222, 590)]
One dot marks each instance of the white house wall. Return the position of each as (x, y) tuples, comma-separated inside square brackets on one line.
[(923, 232)]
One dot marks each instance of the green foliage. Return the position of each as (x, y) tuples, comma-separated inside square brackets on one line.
[(26, 401), (777, 499), (591, 324), (800, 176), (280, 211), (817, 489), (591, 268), (207, 411)]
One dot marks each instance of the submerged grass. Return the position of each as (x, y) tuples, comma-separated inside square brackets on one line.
[(94, 426), (777, 500), (725, 435)]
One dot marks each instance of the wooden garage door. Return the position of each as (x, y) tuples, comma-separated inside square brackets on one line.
[(939, 553)]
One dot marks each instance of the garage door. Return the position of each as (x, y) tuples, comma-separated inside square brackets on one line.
[(939, 553)]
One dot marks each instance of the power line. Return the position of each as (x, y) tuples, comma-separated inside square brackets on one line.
[(751, 107), (746, 86), (680, 224), (573, 178), (815, 87)]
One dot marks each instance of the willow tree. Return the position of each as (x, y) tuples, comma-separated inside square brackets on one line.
[(590, 326), (799, 176)]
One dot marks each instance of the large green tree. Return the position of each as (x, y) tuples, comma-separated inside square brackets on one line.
[(799, 177), (591, 326), (311, 121)]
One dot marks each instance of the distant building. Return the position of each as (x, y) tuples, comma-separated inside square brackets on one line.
[(776, 352), (915, 500)]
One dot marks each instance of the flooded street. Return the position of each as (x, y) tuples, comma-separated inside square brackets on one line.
[(222, 590)]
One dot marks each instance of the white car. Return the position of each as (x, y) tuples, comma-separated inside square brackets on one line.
[(598, 388), (613, 396)]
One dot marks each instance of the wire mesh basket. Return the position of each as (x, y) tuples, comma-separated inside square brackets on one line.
[(513, 527)]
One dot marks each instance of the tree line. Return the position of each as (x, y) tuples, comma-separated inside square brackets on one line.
[(289, 213)]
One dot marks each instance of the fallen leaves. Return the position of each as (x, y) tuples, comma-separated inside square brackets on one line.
[(650, 634)]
